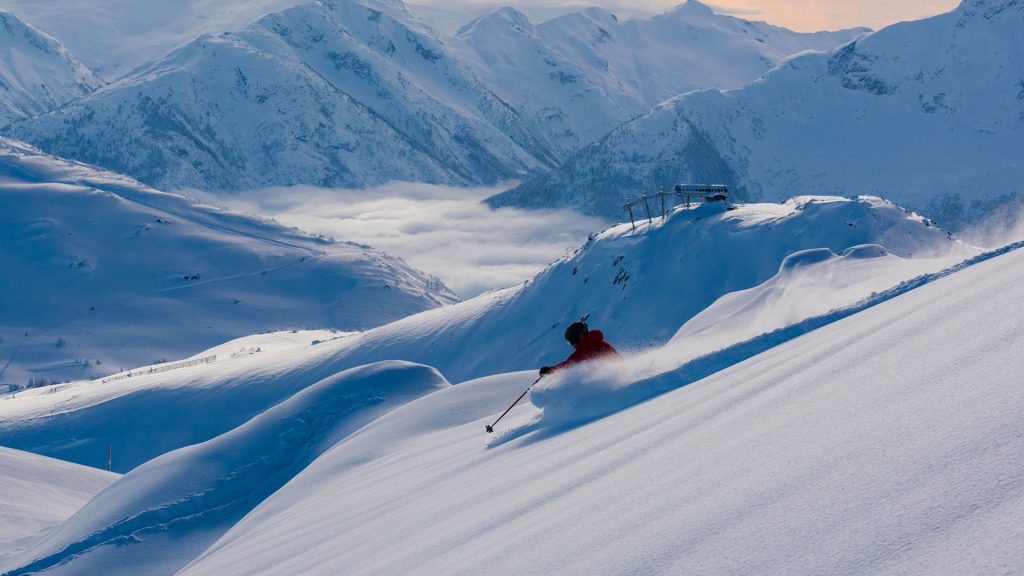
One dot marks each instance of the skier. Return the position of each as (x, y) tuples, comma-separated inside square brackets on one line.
[(589, 345)]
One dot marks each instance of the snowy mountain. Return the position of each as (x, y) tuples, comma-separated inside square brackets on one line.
[(580, 75), (37, 74), (113, 37), (353, 93), (929, 114), (639, 287), (334, 93), (101, 274)]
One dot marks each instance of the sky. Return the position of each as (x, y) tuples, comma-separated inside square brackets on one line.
[(802, 15), (441, 230)]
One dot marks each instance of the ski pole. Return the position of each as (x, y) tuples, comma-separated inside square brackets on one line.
[(490, 428)]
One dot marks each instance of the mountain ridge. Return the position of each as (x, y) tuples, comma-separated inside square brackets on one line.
[(920, 112), (328, 93), (581, 74), (37, 73), (353, 94)]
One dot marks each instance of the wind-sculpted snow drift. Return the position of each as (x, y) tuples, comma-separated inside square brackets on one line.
[(100, 273), (929, 114), (40, 493), (160, 515)]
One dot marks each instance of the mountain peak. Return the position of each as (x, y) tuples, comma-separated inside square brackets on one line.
[(37, 73), (694, 7), (510, 13), (11, 25), (601, 15), (504, 17)]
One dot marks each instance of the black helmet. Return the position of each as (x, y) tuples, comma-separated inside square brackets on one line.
[(574, 333)]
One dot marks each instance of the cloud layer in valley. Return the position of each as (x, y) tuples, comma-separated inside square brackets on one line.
[(442, 230)]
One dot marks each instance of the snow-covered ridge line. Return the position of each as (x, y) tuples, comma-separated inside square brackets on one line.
[(598, 389), (37, 73), (928, 113), (354, 93), (349, 93), (579, 75)]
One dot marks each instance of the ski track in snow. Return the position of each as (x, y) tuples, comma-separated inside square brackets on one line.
[(596, 389)]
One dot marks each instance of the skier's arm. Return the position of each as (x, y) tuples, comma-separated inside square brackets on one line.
[(573, 358)]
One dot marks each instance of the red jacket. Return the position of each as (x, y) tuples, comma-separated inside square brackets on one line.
[(591, 346)]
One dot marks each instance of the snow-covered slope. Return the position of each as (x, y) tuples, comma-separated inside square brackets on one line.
[(885, 443), (159, 516), (639, 287), (98, 268), (37, 74), (342, 93), (580, 75), (929, 114), (40, 493)]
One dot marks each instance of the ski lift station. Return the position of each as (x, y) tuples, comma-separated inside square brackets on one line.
[(702, 192), (686, 195)]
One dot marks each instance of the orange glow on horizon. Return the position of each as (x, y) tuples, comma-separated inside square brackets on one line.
[(814, 15)]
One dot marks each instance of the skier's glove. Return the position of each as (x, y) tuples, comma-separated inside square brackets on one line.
[(546, 370)]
